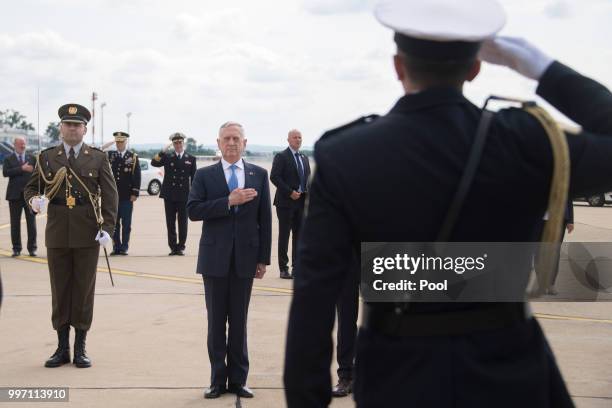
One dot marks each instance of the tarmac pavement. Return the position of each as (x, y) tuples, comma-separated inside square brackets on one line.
[(148, 338)]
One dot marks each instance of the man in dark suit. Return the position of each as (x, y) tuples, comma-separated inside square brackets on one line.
[(126, 171), (290, 172), (179, 169), (18, 167), (232, 197), (393, 179)]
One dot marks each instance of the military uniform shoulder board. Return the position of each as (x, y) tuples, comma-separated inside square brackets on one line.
[(96, 148), (48, 148), (361, 121)]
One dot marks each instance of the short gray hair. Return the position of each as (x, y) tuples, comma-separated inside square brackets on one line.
[(230, 123)]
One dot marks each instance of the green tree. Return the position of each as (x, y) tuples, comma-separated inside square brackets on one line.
[(15, 120), (191, 145), (53, 132)]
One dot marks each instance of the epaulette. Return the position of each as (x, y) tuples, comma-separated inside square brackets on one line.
[(361, 121), (48, 148), (96, 148)]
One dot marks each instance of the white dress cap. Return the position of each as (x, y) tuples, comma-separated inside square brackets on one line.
[(442, 20)]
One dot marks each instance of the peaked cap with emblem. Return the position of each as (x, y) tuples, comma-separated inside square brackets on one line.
[(121, 136), (73, 112), (177, 136)]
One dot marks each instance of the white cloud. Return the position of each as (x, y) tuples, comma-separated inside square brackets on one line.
[(190, 65), (327, 7), (559, 9)]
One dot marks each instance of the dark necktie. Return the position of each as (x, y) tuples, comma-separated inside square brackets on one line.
[(300, 172), (21, 161), (71, 157)]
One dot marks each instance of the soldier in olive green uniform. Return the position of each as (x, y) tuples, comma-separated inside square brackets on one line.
[(76, 182)]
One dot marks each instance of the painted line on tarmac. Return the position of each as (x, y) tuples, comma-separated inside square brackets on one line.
[(120, 272), (265, 288), (575, 318), (23, 221)]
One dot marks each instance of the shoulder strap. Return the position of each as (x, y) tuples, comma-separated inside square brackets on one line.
[(467, 177)]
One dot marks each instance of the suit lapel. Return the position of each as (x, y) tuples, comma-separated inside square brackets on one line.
[(220, 176), (292, 160), (248, 175)]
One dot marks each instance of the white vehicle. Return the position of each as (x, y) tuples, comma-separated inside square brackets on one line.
[(151, 177), (597, 200)]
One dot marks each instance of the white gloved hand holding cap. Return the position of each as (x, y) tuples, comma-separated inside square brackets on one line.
[(517, 54), (103, 238), (39, 204)]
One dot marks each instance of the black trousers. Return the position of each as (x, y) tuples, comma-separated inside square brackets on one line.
[(537, 235), (174, 210), (15, 209), (227, 305), (289, 221), (348, 309), (123, 227), (504, 368)]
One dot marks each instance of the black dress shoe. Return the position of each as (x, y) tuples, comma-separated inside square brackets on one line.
[(214, 391), (32, 253), (179, 252), (240, 390), (343, 388), (285, 275), (172, 253), (62, 353), (123, 253), (16, 253), (114, 253)]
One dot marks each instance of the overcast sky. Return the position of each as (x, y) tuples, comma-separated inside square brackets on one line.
[(273, 65)]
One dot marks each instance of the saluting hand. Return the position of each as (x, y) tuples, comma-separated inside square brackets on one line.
[(27, 167), (167, 147), (261, 271), (242, 195)]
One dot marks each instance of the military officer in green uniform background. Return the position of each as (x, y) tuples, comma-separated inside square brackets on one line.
[(179, 170), (126, 171), (75, 182)]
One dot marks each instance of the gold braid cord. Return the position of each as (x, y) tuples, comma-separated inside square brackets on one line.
[(557, 199), (93, 198), (53, 185)]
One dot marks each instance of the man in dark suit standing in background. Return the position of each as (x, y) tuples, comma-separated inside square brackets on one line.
[(179, 169), (232, 197), (18, 167), (290, 172)]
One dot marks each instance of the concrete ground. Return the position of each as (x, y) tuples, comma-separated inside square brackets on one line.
[(147, 341)]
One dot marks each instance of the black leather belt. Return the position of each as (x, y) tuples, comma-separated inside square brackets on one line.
[(405, 324), (62, 201)]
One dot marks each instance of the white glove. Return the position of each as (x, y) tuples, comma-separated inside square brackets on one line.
[(517, 54), (39, 204), (103, 238)]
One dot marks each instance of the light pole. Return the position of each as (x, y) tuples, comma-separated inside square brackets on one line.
[(94, 97), (128, 121), (102, 121)]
